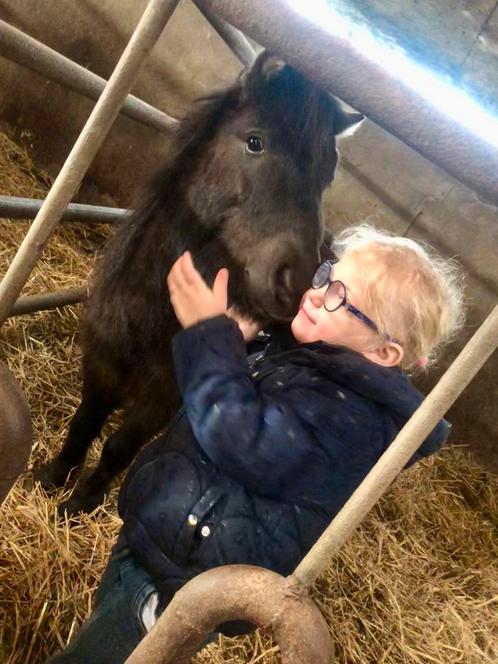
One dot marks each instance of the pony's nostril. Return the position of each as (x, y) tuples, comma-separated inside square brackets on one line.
[(286, 278), (282, 285)]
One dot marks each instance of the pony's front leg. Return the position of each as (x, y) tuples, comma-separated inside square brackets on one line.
[(139, 425), (96, 405)]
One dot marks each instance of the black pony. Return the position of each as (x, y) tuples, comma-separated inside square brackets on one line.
[(243, 192)]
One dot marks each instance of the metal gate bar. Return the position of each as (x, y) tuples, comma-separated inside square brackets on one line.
[(263, 598), (31, 303), (23, 49), (234, 38), (15, 207), (89, 141), (19, 47)]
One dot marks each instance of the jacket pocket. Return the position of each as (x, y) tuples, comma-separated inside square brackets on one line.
[(199, 523)]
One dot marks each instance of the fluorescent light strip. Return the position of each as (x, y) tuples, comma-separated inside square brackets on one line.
[(440, 93)]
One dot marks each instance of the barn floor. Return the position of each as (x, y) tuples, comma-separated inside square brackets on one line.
[(418, 583)]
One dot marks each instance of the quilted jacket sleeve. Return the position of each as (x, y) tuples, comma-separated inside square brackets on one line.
[(253, 434)]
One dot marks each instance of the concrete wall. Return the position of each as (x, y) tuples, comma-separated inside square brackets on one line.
[(380, 179)]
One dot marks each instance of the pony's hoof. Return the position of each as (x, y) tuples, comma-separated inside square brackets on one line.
[(75, 505), (51, 476)]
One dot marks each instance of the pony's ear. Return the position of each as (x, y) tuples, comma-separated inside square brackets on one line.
[(265, 67), (271, 66), (346, 121)]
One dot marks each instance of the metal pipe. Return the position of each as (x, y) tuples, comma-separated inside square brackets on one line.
[(31, 303), (233, 37), (278, 605), (14, 207), (89, 141), (346, 72), (483, 343), (19, 47)]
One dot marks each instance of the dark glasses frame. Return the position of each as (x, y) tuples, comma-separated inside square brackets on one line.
[(323, 275)]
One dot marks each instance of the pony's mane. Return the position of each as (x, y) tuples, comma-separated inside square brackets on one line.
[(197, 128), (303, 115)]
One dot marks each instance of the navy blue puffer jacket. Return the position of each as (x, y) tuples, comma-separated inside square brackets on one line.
[(260, 458)]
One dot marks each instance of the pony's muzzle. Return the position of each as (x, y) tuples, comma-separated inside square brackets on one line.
[(278, 276)]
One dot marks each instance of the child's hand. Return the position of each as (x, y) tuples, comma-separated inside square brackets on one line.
[(191, 297)]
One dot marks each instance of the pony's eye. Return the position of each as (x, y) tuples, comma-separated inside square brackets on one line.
[(254, 144)]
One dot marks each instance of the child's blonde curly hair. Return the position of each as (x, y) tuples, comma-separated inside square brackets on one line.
[(412, 294)]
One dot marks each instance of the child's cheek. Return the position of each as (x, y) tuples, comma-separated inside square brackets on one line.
[(327, 328), (297, 328), (295, 325)]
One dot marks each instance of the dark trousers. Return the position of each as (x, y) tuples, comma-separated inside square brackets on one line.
[(115, 627)]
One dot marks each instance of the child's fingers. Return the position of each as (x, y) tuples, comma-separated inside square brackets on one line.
[(177, 264), (173, 281), (182, 276), (220, 287), (174, 275), (189, 271), (170, 283), (190, 293)]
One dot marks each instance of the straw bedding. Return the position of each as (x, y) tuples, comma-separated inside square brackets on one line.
[(418, 582)]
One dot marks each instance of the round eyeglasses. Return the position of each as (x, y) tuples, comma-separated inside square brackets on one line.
[(336, 294)]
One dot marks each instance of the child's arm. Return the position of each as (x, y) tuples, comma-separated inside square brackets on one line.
[(256, 436), (252, 432)]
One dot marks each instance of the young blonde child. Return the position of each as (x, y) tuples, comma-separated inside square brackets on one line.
[(414, 296), (266, 451)]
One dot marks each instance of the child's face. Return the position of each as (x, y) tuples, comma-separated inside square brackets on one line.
[(340, 327)]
